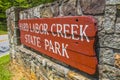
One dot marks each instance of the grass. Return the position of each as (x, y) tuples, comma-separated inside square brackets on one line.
[(4, 72), (3, 32)]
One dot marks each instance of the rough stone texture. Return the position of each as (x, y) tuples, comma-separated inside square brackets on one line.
[(12, 18), (65, 11), (92, 6), (111, 41), (110, 16), (44, 68), (106, 14), (118, 6), (29, 13), (22, 15), (99, 20), (118, 11), (55, 8), (112, 2), (107, 72), (13, 12), (26, 14), (79, 10), (117, 26), (46, 12), (36, 11), (107, 56)]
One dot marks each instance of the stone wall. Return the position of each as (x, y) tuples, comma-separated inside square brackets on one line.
[(107, 15)]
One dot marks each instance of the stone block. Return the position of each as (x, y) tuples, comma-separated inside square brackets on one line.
[(17, 41), (26, 14), (39, 58), (11, 27), (109, 25), (110, 11), (22, 15), (46, 12), (32, 67), (118, 11), (8, 22), (7, 12), (16, 32), (39, 74), (112, 2), (99, 20), (30, 13), (15, 15), (11, 39), (55, 8), (117, 25), (68, 8), (79, 9), (54, 75), (111, 41), (106, 56), (118, 6), (108, 72), (92, 6), (75, 76), (36, 11), (110, 16), (12, 16)]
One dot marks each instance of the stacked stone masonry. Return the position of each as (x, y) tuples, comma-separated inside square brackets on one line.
[(107, 15)]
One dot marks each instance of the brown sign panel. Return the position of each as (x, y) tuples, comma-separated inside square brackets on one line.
[(67, 39)]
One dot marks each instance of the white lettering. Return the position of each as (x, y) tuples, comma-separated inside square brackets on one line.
[(59, 30), (24, 26), (66, 31), (39, 28), (70, 31), (52, 27), (60, 49), (46, 44), (64, 51), (45, 29), (34, 40), (51, 46), (57, 48), (36, 26), (82, 32), (38, 42), (73, 32)]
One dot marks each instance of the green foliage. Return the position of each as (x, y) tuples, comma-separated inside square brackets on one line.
[(4, 72), (37, 2), (4, 60), (3, 32), (2, 15), (3, 26), (5, 4)]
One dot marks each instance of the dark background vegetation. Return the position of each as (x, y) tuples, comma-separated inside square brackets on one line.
[(5, 4)]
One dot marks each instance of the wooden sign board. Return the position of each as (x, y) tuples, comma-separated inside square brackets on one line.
[(67, 39)]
